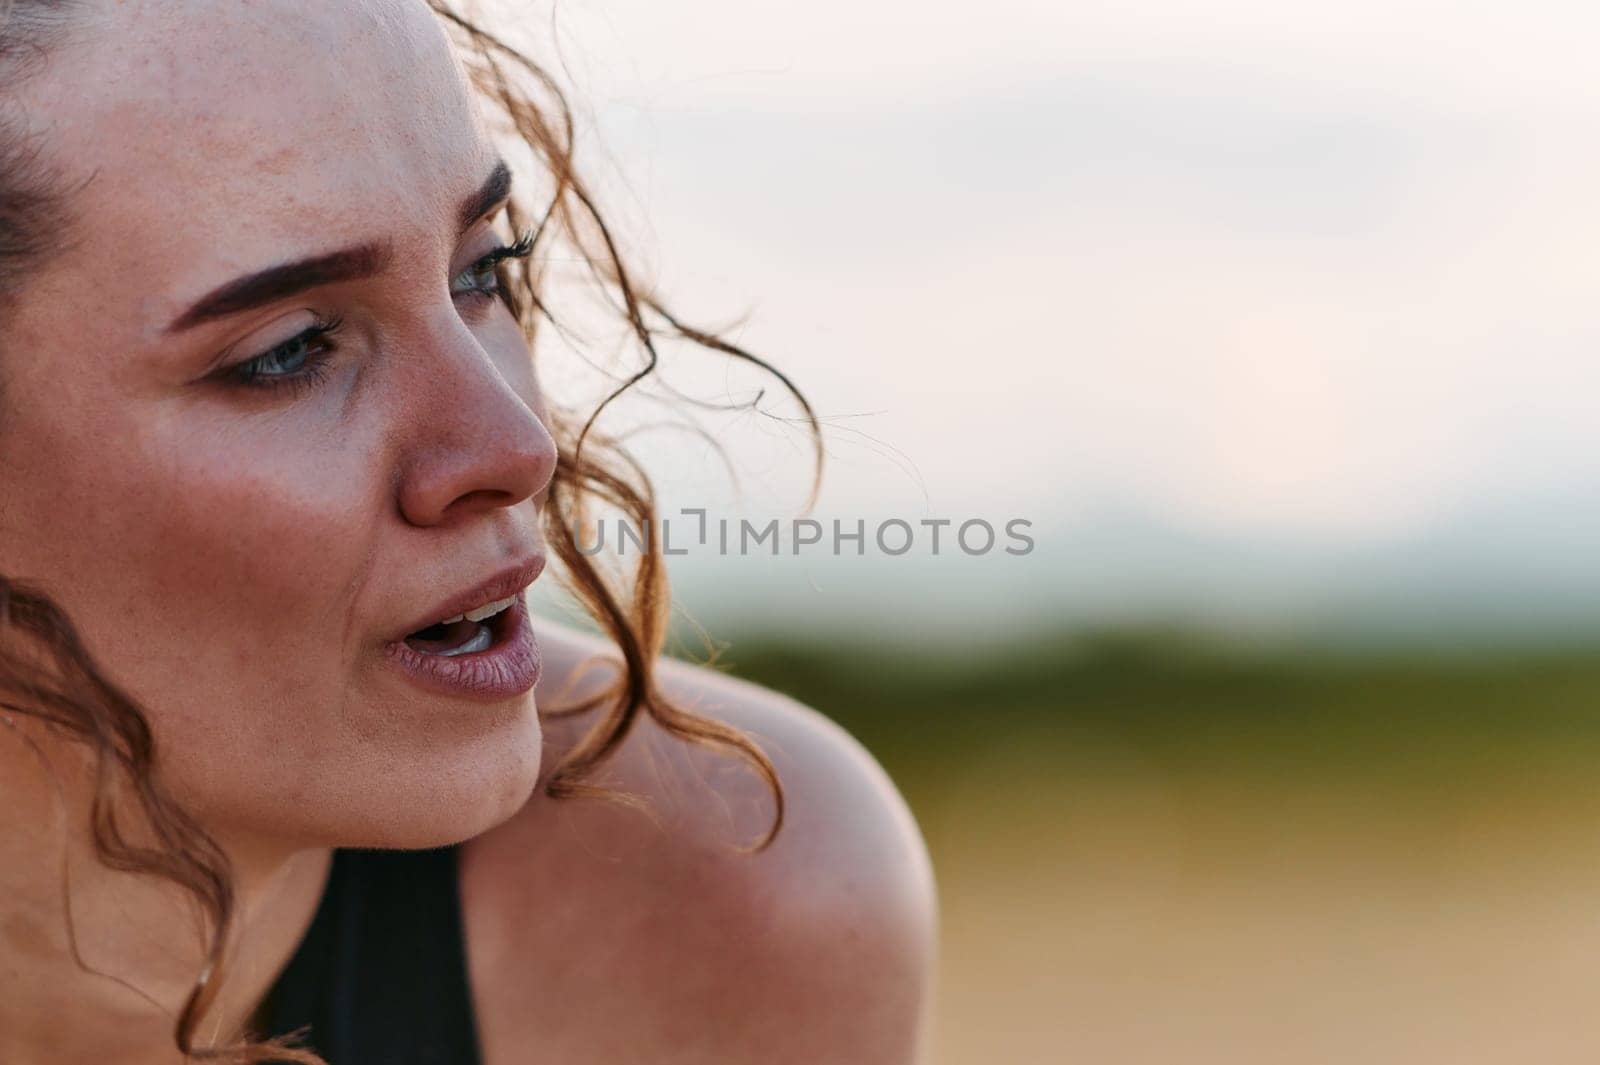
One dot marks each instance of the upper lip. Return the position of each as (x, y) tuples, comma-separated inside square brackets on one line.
[(509, 581)]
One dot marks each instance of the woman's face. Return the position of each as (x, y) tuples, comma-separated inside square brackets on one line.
[(239, 513)]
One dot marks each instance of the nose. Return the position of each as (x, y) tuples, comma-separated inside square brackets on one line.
[(473, 444)]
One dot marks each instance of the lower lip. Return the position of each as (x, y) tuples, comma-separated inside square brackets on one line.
[(507, 667)]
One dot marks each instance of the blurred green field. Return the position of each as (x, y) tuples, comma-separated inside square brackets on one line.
[(1154, 847)]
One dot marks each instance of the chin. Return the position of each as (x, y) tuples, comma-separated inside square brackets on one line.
[(463, 795), (435, 791), (410, 775)]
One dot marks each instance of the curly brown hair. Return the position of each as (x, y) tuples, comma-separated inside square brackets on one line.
[(46, 672)]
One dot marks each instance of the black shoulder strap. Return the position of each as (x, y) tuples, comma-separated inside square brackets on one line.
[(381, 974)]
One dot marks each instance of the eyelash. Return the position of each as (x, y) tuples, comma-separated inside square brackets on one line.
[(521, 248), (317, 337)]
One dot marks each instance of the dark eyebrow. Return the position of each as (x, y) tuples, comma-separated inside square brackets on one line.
[(276, 282), (491, 194), (347, 264)]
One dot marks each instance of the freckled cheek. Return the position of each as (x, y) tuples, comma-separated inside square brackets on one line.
[(285, 556), (240, 579)]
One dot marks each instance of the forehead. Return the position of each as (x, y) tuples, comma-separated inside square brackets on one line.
[(217, 138)]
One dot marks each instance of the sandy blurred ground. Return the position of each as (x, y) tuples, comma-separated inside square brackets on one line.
[(1251, 863), (1184, 921)]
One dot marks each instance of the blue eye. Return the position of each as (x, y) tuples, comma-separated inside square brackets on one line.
[(300, 360), (483, 277), (479, 277)]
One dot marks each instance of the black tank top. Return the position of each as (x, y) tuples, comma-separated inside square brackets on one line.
[(381, 975)]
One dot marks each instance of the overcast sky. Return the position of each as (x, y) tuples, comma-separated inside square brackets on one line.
[(1310, 277)]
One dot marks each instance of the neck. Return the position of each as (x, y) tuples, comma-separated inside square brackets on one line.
[(98, 963)]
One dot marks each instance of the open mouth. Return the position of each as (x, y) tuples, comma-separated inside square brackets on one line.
[(476, 630)]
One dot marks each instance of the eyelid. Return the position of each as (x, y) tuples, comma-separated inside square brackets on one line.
[(259, 341), (519, 248), (320, 347), (483, 235), (501, 248)]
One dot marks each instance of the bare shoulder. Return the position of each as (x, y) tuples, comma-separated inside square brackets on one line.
[(602, 933)]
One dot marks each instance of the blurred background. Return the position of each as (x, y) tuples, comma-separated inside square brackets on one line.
[(1274, 321)]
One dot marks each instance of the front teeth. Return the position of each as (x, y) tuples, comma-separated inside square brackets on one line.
[(485, 611)]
